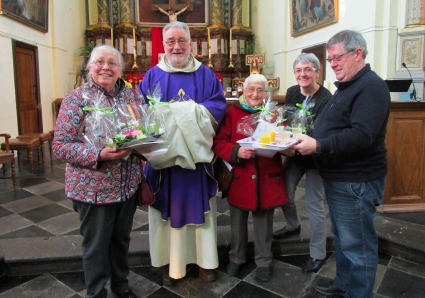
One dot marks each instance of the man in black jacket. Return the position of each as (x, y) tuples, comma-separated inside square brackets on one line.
[(349, 150)]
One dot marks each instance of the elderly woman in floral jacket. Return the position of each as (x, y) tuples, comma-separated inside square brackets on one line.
[(100, 181), (258, 184)]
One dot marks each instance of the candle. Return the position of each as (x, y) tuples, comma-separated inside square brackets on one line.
[(230, 47), (112, 36), (209, 43), (134, 37)]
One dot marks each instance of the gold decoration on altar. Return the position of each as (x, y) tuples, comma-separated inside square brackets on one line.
[(254, 62), (135, 49)]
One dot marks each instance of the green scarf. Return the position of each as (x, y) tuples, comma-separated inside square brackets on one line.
[(245, 105)]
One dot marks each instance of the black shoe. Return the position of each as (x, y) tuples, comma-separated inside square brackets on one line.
[(128, 294), (328, 288), (312, 265), (264, 273), (232, 268), (168, 280), (207, 274), (283, 233)]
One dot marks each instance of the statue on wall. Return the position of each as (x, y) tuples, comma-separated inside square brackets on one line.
[(170, 12)]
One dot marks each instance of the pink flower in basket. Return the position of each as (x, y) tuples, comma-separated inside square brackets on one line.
[(132, 132)]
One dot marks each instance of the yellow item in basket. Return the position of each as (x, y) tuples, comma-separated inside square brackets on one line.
[(265, 139)]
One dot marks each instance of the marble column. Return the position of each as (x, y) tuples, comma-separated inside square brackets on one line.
[(103, 12), (127, 37), (237, 13), (415, 13), (101, 33), (216, 12), (125, 11)]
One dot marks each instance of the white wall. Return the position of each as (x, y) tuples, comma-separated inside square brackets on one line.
[(58, 51), (59, 60), (378, 20)]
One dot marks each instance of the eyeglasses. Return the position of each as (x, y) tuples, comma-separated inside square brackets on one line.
[(252, 90), (338, 58), (100, 63), (172, 43), (307, 70)]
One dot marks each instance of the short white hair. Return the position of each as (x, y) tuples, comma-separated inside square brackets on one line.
[(256, 78)]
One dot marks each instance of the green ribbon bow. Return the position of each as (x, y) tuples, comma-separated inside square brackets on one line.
[(154, 102), (264, 110), (303, 108), (105, 110)]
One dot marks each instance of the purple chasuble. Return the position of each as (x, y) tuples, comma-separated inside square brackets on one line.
[(183, 195)]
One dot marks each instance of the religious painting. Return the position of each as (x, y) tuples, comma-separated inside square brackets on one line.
[(310, 15), (159, 12), (33, 13)]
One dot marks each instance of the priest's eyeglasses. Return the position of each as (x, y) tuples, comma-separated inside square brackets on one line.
[(101, 63), (339, 57), (172, 43)]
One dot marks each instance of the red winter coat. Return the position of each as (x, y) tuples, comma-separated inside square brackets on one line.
[(259, 183)]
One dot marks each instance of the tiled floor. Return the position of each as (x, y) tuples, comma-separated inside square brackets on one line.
[(39, 208)]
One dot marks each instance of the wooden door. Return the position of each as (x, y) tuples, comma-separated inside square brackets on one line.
[(28, 103)]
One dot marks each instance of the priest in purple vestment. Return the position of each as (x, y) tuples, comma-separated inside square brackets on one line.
[(182, 222)]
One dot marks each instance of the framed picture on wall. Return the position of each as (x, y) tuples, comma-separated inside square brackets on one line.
[(34, 13), (310, 15), (160, 12)]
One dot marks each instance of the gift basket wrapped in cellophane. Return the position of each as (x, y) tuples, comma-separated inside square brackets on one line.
[(266, 130), (138, 126)]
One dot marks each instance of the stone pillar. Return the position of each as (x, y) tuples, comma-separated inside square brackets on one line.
[(103, 12), (415, 13), (239, 37), (101, 33), (125, 11), (237, 13), (217, 12), (126, 38)]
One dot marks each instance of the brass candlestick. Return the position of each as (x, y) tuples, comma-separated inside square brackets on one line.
[(230, 50), (112, 36), (209, 49), (135, 49)]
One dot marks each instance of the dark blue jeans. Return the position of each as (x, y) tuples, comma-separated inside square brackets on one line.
[(352, 208), (106, 232)]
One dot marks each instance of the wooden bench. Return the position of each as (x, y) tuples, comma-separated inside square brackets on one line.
[(27, 144), (7, 156), (43, 137)]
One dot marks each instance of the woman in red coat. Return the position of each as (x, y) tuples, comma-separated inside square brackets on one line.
[(258, 184)]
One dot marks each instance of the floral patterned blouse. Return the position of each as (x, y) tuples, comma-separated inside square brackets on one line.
[(87, 179)]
